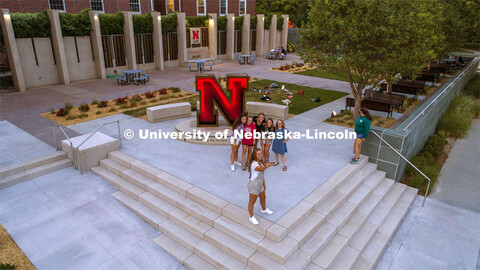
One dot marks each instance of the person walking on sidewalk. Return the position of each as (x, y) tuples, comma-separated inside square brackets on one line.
[(256, 186), (362, 128)]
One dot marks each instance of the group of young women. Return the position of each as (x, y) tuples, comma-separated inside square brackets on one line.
[(247, 126), (258, 160)]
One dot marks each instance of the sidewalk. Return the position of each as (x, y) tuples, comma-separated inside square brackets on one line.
[(459, 182)]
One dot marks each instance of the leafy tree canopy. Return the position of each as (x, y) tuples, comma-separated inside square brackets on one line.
[(297, 10)]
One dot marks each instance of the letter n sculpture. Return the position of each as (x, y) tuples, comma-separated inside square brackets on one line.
[(212, 93)]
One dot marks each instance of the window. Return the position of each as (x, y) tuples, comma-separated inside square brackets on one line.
[(57, 5), (96, 5), (134, 5), (201, 7), (242, 10), (170, 6), (223, 7)]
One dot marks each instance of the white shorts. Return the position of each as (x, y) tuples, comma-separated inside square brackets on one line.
[(232, 140)]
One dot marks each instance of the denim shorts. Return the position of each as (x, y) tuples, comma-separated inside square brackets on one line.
[(359, 136)]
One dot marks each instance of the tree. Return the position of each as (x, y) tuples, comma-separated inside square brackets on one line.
[(369, 39), (297, 10)]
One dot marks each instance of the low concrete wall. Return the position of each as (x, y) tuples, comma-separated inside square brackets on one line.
[(409, 141)]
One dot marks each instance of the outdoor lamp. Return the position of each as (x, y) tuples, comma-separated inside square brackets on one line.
[(96, 16), (6, 15), (159, 18)]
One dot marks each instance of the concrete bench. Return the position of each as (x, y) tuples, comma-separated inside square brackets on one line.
[(274, 111), (169, 111)]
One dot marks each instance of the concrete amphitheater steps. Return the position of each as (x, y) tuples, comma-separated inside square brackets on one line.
[(27, 170), (344, 224)]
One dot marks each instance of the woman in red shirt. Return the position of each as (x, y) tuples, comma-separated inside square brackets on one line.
[(248, 131)]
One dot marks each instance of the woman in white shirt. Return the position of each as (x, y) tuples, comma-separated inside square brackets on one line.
[(256, 185)]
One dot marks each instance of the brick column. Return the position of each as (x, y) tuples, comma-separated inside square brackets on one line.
[(260, 34), (182, 38), (273, 32), (129, 36), (97, 47), (58, 47), (230, 36), (157, 40), (246, 34), (12, 51), (284, 36), (212, 35)]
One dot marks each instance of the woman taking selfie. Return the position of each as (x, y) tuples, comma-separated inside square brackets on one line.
[(256, 186)]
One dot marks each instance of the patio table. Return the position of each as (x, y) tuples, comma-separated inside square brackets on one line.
[(200, 64), (133, 73)]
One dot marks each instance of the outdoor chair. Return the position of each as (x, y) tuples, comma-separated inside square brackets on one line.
[(122, 80), (282, 56), (252, 58), (145, 75), (240, 59), (140, 80), (270, 56), (191, 69), (209, 65)]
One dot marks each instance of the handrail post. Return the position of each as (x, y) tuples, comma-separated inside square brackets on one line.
[(119, 136), (54, 137)]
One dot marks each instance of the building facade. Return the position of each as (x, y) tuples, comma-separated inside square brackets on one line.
[(190, 7)]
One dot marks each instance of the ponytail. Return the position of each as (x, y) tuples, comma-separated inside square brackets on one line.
[(366, 113)]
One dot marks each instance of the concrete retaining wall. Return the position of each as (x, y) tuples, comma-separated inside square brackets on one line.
[(409, 141)]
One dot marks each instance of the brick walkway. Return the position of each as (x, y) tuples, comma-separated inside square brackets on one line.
[(24, 109)]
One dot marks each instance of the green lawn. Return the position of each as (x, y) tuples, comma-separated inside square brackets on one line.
[(299, 103), (324, 73)]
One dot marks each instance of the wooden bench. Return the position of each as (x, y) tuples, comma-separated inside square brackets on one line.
[(169, 111), (429, 76), (371, 105), (274, 111), (441, 68), (393, 99)]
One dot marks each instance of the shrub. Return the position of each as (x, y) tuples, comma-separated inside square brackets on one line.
[(112, 110), (423, 159), (267, 21), (75, 24), (457, 119), (330, 120), (149, 94), (175, 89), (253, 22), (222, 23), (153, 100), (435, 145), (279, 22), (133, 104), (84, 107), (7, 266), (340, 121), (143, 103), (121, 100), (196, 21), (52, 111), (98, 112), (111, 24), (142, 23), (82, 115), (239, 23), (29, 25), (162, 91), (473, 87), (68, 106), (136, 98), (94, 102), (102, 104), (71, 117), (62, 112), (169, 23), (292, 47)]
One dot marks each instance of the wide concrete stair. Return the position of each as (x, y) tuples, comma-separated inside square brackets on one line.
[(27, 170), (346, 223)]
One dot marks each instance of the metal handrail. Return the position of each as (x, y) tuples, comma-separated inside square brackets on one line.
[(429, 181), (74, 156), (93, 133), (441, 93)]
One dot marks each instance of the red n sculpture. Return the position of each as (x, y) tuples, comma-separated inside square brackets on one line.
[(212, 93)]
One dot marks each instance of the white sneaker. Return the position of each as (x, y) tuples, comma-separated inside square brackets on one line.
[(238, 163), (232, 167), (253, 220), (267, 211)]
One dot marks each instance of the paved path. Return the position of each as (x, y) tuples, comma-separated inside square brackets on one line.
[(459, 182), (436, 237), (23, 109)]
